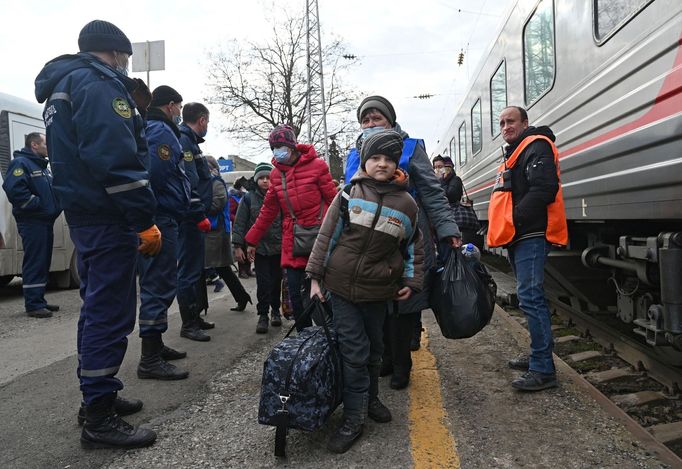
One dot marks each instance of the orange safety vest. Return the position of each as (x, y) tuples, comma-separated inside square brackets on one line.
[(501, 228)]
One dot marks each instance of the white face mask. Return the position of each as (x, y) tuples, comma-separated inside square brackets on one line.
[(121, 60)]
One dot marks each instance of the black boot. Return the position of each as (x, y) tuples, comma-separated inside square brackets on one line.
[(415, 342), (262, 326), (190, 329), (169, 354), (375, 409), (121, 406), (241, 305), (276, 319), (344, 437), (152, 366), (205, 325), (105, 429)]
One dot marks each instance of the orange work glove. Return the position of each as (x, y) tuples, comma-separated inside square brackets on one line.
[(150, 241), (204, 225)]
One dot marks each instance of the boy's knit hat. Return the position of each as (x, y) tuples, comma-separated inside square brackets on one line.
[(386, 142), (262, 169)]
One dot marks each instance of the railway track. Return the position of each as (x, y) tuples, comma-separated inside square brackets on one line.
[(631, 381)]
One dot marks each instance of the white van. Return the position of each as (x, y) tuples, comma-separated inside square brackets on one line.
[(18, 118)]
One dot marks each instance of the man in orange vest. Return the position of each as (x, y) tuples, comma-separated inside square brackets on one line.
[(526, 215)]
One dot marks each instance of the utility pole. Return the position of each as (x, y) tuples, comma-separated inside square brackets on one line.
[(315, 103)]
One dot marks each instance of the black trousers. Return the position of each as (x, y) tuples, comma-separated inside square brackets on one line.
[(232, 281), (268, 283), (398, 330)]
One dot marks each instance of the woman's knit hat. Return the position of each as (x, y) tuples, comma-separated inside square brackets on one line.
[(380, 103), (282, 136)]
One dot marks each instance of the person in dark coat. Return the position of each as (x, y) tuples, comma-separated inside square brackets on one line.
[(28, 185), (374, 114), (454, 190), (218, 240), (268, 252), (452, 184)]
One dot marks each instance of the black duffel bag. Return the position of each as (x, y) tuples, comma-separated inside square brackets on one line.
[(302, 379), (462, 296)]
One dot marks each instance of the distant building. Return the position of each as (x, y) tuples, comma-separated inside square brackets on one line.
[(241, 164)]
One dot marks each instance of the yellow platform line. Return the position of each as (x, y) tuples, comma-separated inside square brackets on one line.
[(432, 444)]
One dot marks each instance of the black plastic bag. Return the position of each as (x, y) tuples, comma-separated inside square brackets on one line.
[(462, 296)]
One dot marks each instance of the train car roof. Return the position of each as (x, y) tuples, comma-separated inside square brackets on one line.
[(20, 106)]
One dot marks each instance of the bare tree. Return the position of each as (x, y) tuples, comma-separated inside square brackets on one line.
[(260, 85)]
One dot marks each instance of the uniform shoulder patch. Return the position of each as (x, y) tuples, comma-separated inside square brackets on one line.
[(121, 107), (164, 152), (187, 156), (18, 172)]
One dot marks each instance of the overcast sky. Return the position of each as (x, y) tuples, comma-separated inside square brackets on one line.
[(406, 47)]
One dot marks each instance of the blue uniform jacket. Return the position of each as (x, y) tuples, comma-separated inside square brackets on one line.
[(98, 149), (167, 175), (28, 184), (197, 170)]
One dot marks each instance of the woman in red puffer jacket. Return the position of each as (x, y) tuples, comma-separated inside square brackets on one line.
[(310, 190)]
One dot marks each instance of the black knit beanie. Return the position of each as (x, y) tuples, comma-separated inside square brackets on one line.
[(163, 95), (386, 142), (100, 36), (380, 103)]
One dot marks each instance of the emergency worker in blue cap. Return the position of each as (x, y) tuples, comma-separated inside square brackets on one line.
[(99, 158)]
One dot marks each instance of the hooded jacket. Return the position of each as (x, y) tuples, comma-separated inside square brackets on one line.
[(434, 211), (534, 184), (379, 251), (310, 190), (98, 149), (167, 175), (28, 185)]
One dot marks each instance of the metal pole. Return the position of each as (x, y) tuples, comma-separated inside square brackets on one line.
[(310, 88), (324, 108)]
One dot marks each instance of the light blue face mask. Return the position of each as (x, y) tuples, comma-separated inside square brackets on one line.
[(371, 131), (177, 120), (281, 154)]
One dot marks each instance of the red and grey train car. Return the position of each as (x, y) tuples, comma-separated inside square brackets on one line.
[(606, 76)]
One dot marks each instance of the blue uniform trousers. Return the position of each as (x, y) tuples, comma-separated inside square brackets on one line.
[(37, 238), (158, 280), (106, 261), (190, 262)]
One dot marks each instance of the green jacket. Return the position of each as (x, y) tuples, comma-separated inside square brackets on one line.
[(247, 212)]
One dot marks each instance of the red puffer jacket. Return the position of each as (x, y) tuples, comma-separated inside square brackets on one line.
[(309, 183)]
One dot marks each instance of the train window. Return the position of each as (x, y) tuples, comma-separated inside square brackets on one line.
[(538, 51), (476, 130), (463, 144), (611, 15), (453, 150), (498, 97)]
